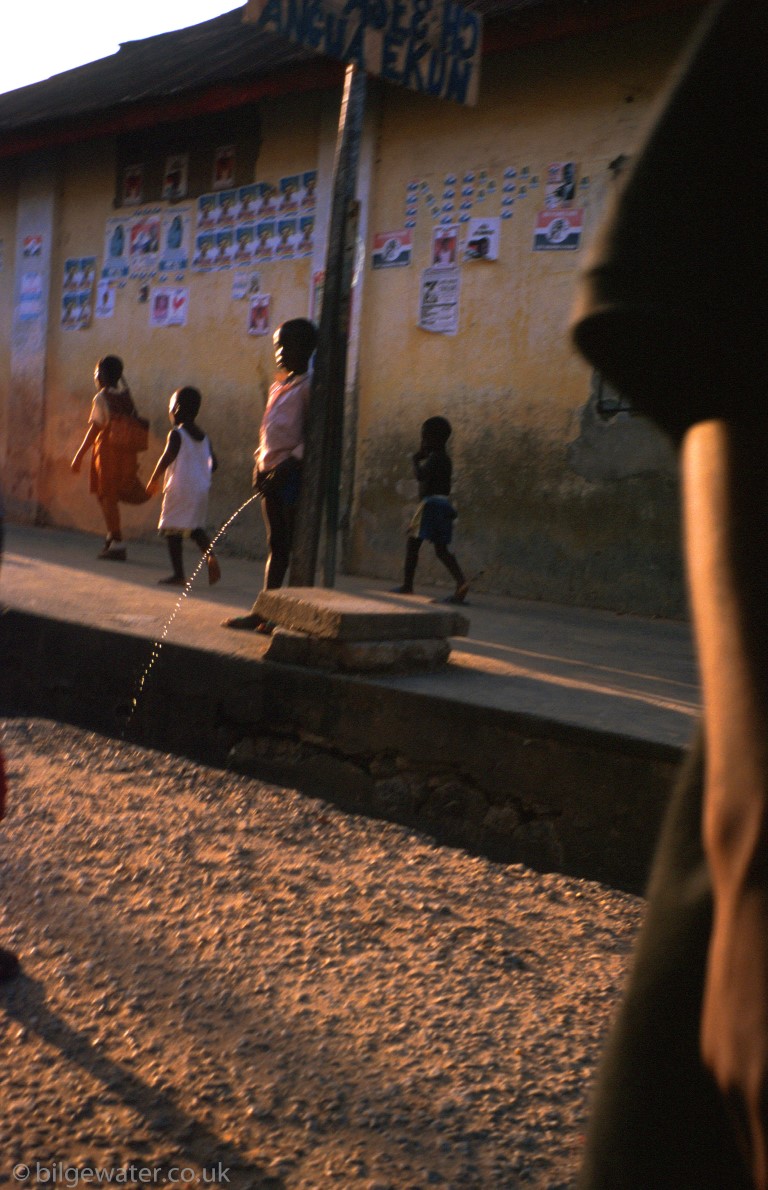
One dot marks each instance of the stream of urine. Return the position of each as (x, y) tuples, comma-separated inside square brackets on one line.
[(158, 644)]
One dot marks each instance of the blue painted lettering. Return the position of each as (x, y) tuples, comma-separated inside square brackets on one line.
[(314, 24), (470, 34), (377, 16), (335, 35), (390, 58), (458, 81), (450, 33), (436, 73), (418, 27), (294, 20), (412, 76), (396, 27), (355, 50)]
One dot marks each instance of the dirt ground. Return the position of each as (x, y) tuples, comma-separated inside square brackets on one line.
[(229, 983)]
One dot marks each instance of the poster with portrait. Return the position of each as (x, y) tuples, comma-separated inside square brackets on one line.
[(308, 193), (247, 203), (207, 212), (175, 236), (560, 186), (305, 238), (265, 235), (144, 242), (168, 306), (105, 299), (259, 307), (175, 177), (224, 167), (225, 247), (285, 243), (77, 292), (267, 204), (482, 242), (289, 188), (204, 258), (228, 207), (133, 185), (245, 243), (445, 246), (116, 241)]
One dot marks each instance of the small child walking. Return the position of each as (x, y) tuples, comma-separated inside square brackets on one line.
[(433, 519), (187, 464)]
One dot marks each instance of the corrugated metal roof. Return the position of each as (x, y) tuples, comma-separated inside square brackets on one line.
[(224, 49), (143, 78), (156, 67)]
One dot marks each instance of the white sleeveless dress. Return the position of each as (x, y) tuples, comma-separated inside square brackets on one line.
[(186, 484)]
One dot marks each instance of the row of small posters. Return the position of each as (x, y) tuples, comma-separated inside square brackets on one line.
[(176, 180), (556, 230), (168, 304)]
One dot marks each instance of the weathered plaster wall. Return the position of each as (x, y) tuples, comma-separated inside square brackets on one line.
[(214, 352), (537, 521), (8, 203), (37, 201), (557, 500)]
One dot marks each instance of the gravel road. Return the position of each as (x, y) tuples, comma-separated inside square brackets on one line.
[(229, 982)]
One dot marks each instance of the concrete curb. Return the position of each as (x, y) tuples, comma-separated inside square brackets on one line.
[(516, 787)]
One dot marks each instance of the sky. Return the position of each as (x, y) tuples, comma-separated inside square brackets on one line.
[(45, 37)]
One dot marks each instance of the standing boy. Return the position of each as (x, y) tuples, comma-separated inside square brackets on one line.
[(278, 457)]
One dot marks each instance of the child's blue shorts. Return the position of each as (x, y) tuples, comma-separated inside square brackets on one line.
[(433, 520)]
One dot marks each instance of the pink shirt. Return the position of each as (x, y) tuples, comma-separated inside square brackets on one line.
[(282, 427)]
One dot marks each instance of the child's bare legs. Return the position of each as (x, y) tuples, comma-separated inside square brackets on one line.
[(203, 543), (448, 560), (278, 519), (412, 547), (176, 551), (113, 546), (174, 541)]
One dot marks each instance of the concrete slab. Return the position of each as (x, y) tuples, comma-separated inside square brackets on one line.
[(549, 738), (338, 615), (353, 656), (579, 667)]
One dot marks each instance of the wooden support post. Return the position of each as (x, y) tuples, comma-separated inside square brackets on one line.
[(324, 435)]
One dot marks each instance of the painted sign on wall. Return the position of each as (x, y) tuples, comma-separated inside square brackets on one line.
[(431, 46)]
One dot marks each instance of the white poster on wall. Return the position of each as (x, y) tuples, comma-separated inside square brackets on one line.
[(439, 300)]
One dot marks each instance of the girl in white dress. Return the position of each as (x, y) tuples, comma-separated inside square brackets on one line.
[(187, 464)]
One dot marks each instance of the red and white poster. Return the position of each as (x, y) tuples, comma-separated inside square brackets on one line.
[(558, 231), (259, 314), (445, 246), (392, 249), (169, 306)]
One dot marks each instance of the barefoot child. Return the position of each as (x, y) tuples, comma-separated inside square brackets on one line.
[(187, 464), (433, 520)]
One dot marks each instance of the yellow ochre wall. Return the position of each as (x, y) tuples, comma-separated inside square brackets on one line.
[(7, 242), (509, 381), (213, 352), (551, 505)]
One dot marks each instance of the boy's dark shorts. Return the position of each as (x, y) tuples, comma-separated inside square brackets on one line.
[(433, 520)]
